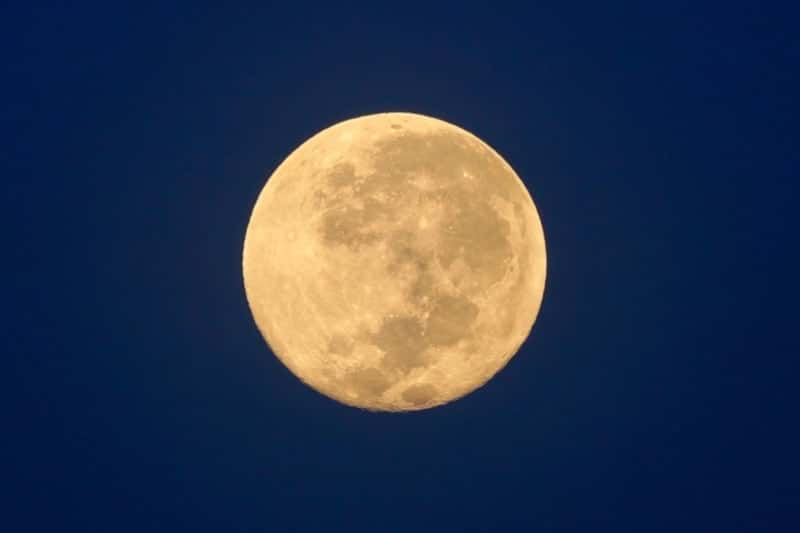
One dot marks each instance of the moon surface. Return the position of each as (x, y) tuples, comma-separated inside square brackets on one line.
[(394, 262)]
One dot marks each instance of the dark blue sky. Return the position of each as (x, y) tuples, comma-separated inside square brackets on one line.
[(658, 139)]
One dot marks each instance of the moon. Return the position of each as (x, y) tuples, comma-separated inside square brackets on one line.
[(394, 262)]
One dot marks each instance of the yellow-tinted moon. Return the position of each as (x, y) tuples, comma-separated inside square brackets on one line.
[(394, 262)]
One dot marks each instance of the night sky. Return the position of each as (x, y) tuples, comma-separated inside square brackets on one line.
[(655, 393)]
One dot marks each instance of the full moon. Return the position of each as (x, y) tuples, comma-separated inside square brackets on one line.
[(394, 262)]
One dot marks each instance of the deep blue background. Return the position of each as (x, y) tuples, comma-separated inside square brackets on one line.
[(658, 139)]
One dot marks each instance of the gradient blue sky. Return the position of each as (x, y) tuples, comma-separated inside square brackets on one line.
[(656, 393)]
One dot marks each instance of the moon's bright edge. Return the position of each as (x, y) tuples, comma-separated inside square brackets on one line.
[(394, 262)]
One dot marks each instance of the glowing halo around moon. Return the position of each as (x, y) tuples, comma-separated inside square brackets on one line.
[(394, 262)]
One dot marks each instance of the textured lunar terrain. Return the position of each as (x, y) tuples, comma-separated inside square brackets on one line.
[(394, 262)]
